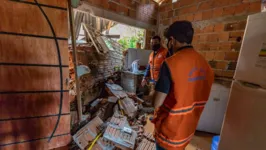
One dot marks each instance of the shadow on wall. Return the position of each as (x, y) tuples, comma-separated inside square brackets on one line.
[(26, 118)]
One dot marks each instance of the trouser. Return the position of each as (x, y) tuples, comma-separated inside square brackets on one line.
[(152, 88), (158, 147)]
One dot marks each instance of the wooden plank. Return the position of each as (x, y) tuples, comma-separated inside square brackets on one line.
[(28, 129), (28, 78), (22, 18), (40, 144), (33, 104), (57, 3), (59, 20), (26, 38), (30, 50)]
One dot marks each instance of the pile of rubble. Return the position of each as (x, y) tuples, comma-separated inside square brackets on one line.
[(116, 122)]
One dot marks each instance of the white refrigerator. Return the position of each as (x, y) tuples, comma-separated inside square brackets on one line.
[(244, 125)]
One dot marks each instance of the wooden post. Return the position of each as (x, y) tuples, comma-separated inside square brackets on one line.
[(75, 62)]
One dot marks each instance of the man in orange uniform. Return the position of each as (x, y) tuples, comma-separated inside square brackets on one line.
[(182, 90), (155, 61)]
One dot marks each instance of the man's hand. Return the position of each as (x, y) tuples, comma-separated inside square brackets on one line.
[(143, 82), (158, 99)]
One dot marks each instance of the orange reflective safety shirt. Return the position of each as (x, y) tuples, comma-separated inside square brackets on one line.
[(176, 120), (156, 61)]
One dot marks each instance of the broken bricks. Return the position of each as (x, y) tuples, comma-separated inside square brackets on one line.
[(128, 106), (148, 142), (86, 134)]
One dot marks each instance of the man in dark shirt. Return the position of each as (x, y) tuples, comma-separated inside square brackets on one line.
[(182, 90)]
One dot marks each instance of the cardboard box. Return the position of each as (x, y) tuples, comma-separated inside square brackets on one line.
[(251, 66), (244, 126)]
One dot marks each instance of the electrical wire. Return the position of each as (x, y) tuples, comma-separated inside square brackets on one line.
[(94, 141)]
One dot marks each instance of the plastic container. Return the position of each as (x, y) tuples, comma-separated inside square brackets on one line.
[(215, 142)]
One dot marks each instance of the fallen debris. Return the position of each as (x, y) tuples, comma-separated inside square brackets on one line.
[(129, 107), (116, 90), (120, 133), (119, 120), (148, 142), (86, 134)]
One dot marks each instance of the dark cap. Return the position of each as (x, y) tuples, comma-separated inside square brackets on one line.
[(182, 31)]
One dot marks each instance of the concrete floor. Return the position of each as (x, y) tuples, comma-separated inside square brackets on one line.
[(200, 141)]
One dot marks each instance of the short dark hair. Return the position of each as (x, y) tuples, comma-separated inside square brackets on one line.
[(182, 31), (156, 37)]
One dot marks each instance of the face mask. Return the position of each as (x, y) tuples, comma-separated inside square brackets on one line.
[(156, 47)]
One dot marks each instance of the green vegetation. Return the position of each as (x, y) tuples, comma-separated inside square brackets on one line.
[(130, 42)]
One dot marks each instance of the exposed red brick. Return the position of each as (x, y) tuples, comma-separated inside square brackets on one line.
[(183, 17), (231, 56), (219, 3), (166, 7), (206, 5), (232, 65), (241, 8), (133, 5), (186, 2), (229, 11), (163, 15), (209, 55), (203, 38), (105, 4), (221, 65), (122, 10), (197, 30), (202, 53), (218, 73), (175, 19), (166, 22), (236, 46), (190, 17), (213, 37), (208, 29), (125, 2), (176, 12), (219, 27), (202, 47), (224, 36), (200, 0), (206, 15), (198, 16), (161, 9), (235, 35), (96, 3), (254, 7), (169, 7), (214, 46), (212, 63), (219, 55), (217, 12), (189, 9), (170, 14), (226, 46), (113, 6), (132, 14), (195, 40), (176, 5), (235, 26), (228, 73), (234, 1)]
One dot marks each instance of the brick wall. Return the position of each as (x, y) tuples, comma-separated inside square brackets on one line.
[(219, 27), (144, 12), (102, 67)]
